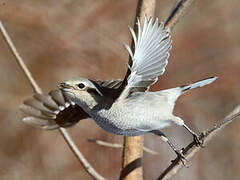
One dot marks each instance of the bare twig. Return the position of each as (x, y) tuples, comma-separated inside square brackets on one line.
[(116, 145), (91, 171), (190, 150), (150, 151), (19, 60), (87, 166), (177, 12), (133, 146)]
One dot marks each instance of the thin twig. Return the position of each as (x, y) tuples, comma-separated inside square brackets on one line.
[(190, 150), (116, 145), (150, 151), (87, 166), (177, 13), (91, 171), (19, 60)]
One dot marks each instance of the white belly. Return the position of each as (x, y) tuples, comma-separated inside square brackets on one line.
[(133, 118)]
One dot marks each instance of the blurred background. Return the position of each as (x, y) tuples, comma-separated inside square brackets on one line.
[(61, 39)]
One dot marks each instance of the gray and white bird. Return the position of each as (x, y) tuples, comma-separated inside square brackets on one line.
[(126, 107)]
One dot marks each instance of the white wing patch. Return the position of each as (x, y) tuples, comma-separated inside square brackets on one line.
[(151, 54)]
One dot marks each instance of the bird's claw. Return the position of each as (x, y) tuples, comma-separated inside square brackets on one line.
[(181, 157), (197, 141)]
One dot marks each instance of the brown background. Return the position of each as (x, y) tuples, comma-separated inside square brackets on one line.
[(61, 39)]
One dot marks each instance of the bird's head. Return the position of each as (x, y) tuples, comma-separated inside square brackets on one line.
[(81, 91)]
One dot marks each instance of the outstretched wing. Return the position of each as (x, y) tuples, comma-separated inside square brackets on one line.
[(51, 111), (54, 110), (150, 57)]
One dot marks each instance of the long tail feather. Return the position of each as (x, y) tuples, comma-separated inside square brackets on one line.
[(197, 84)]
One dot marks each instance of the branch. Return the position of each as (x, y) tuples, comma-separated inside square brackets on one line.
[(177, 13), (87, 166), (190, 150), (19, 60), (90, 170), (115, 145), (133, 146)]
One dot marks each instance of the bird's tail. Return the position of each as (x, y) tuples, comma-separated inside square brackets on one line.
[(197, 84)]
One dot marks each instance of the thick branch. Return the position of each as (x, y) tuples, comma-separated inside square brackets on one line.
[(190, 150), (91, 171), (147, 8), (133, 146)]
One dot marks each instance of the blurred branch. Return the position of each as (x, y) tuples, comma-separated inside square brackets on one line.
[(115, 145), (177, 13), (91, 171), (19, 60), (190, 150), (87, 166)]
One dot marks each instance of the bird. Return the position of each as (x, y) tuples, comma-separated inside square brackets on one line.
[(122, 107)]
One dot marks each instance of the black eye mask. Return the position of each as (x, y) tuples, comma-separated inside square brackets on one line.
[(93, 92)]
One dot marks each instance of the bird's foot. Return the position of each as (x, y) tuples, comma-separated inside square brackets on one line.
[(197, 141)]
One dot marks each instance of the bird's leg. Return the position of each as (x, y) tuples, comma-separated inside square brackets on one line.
[(180, 122), (195, 136), (165, 139)]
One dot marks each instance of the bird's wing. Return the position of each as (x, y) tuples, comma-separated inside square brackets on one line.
[(54, 110), (51, 111), (150, 57)]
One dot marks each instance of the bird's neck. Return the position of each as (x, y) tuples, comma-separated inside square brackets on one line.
[(87, 104), (89, 101)]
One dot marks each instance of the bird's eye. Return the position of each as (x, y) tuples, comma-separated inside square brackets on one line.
[(81, 85)]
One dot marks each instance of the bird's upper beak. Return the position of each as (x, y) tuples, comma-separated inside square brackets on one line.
[(63, 86)]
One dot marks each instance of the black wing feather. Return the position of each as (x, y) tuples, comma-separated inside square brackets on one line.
[(54, 110)]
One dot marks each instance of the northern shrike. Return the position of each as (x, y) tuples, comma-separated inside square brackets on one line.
[(120, 107)]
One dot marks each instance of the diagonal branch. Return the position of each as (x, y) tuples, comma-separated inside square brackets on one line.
[(190, 150), (90, 170), (177, 13), (19, 60)]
